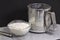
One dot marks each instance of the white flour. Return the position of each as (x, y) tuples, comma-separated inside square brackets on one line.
[(18, 26)]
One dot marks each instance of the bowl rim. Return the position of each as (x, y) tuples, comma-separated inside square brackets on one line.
[(18, 21)]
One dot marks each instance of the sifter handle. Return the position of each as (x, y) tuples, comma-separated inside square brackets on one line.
[(52, 20)]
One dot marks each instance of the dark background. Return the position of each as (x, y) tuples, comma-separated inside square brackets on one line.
[(17, 9)]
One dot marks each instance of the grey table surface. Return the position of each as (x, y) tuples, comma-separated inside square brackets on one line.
[(32, 36)]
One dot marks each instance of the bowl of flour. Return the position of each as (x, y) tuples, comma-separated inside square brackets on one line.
[(19, 27)]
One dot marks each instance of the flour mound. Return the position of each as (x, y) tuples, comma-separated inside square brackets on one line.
[(18, 25)]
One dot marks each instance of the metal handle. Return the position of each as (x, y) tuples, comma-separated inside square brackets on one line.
[(53, 19), (50, 18)]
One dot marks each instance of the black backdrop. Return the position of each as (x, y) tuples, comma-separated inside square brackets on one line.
[(17, 9)]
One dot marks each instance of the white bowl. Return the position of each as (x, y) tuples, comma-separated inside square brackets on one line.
[(18, 31)]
